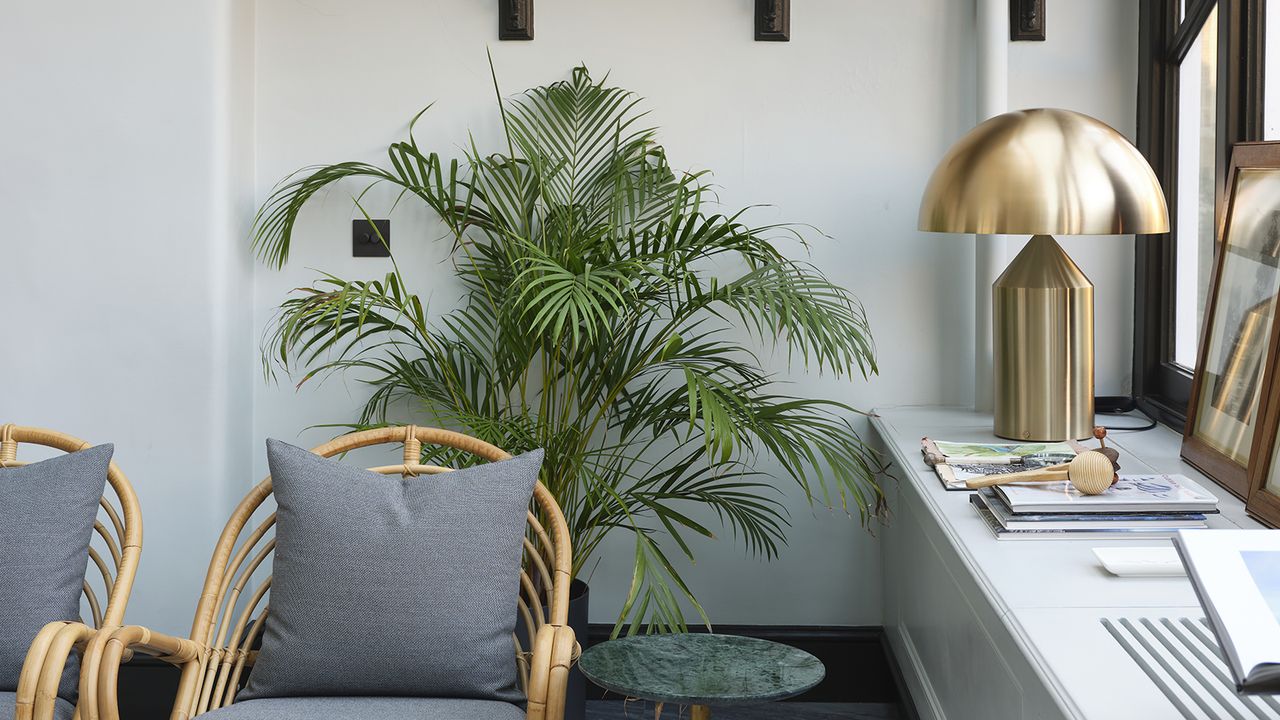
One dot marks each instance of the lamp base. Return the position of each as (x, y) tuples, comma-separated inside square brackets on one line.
[(1042, 307)]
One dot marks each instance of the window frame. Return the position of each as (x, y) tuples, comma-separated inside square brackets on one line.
[(1161, 387)]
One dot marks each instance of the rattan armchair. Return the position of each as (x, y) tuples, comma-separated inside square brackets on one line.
[(215, 658), (121, 538)]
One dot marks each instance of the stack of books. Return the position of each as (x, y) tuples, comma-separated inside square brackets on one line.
[(1137, 507)]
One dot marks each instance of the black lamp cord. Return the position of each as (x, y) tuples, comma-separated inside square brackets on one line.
[(1121, 405)]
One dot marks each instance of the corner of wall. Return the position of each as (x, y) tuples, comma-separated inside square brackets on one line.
[(231, 257)]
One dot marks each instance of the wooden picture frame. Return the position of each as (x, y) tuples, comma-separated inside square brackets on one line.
[(1263, 501), (1235, 360)]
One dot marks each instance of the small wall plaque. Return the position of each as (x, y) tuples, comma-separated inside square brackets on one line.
[(515, 19), (1026, 19), (773, 20)]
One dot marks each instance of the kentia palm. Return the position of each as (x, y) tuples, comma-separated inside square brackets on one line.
[(599, 322)]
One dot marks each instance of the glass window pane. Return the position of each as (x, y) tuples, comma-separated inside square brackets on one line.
[(1271, 77), (1197, 118)]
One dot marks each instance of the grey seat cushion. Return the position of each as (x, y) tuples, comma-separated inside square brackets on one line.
[(367, 708), (47, 511), (393, 586), (62, 710)]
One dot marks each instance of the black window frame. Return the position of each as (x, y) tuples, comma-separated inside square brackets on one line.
[(1162, 388)]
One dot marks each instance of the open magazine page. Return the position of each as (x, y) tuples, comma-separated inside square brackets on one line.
[(1237, 576), (955, 463), (997, 452)]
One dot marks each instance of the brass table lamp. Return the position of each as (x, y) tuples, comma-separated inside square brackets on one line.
[(1043, 172)]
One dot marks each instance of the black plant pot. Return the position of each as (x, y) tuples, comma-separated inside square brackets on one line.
[(575, 704)]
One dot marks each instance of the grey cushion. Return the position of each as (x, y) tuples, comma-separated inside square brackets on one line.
[(386, 585), (367, 708), (62, 710), (46, 521)]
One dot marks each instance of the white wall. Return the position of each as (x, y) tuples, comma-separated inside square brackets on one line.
[(149, 129), (124, 195)]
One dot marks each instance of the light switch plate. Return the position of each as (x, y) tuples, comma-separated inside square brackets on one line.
[(365, 241)]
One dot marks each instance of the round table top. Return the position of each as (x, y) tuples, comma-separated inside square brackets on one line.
[(701, 669)]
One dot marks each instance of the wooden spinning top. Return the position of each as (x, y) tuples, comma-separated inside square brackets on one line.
[(1091, 472), (1101, 434)]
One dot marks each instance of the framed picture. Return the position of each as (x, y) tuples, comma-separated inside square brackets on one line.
[(1263, 502), (1236, 343)]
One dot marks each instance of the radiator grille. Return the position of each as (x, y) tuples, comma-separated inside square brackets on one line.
[(1182, 657)]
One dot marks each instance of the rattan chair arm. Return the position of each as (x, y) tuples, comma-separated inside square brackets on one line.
[(554, 650), (90, 663), (42, 670), (31, 667), (106, 663)]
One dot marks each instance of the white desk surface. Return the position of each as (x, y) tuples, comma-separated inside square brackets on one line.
[(1052, 594)]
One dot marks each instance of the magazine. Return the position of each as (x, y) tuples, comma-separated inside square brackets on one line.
[(1086, 521), (1133, 493), (1002, 533), (955, 463), (1236, 575)]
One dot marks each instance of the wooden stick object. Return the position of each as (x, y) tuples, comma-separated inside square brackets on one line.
[(1053, 473), (1090, 472)]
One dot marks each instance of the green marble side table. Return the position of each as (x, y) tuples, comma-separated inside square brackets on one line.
[(701, 670)]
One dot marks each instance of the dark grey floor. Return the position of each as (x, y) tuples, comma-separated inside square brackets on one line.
[(638, 710)]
